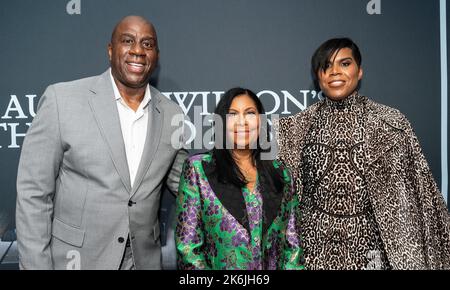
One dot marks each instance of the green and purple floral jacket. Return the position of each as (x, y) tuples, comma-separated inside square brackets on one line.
[(220, 226)]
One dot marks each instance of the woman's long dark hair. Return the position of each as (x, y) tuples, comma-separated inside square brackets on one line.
[(225, 166)]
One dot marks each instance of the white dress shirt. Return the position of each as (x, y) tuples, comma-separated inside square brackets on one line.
[(134, 128)]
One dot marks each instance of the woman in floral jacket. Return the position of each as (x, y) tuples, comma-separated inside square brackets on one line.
[(235, 210)]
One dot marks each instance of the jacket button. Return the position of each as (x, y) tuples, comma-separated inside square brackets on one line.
[(121, 240), (130, 203)]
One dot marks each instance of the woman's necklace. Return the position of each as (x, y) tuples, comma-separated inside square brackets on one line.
[(250, 176), (248, 169)]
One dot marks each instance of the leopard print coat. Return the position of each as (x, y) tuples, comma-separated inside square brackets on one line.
[(411, 213)]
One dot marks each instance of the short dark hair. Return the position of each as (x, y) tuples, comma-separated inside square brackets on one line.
[(225, 166), (326, 50)]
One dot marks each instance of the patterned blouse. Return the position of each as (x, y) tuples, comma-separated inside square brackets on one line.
[(208, 236)]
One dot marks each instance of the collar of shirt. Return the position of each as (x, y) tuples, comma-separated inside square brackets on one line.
[(118, 96)]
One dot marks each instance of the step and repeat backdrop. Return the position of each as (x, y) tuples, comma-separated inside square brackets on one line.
[(209, 46)]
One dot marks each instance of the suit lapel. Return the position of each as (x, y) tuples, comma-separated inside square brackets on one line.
[(271, 204), (104, 108), (229, 195), (154, 130)]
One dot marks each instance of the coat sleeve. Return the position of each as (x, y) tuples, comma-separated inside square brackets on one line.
[(435, 215), (292, 258), (39, 165), (173, 177), (288, 138), (189, 238)]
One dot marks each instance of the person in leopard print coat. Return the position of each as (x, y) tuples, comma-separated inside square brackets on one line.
[(368, 197)]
